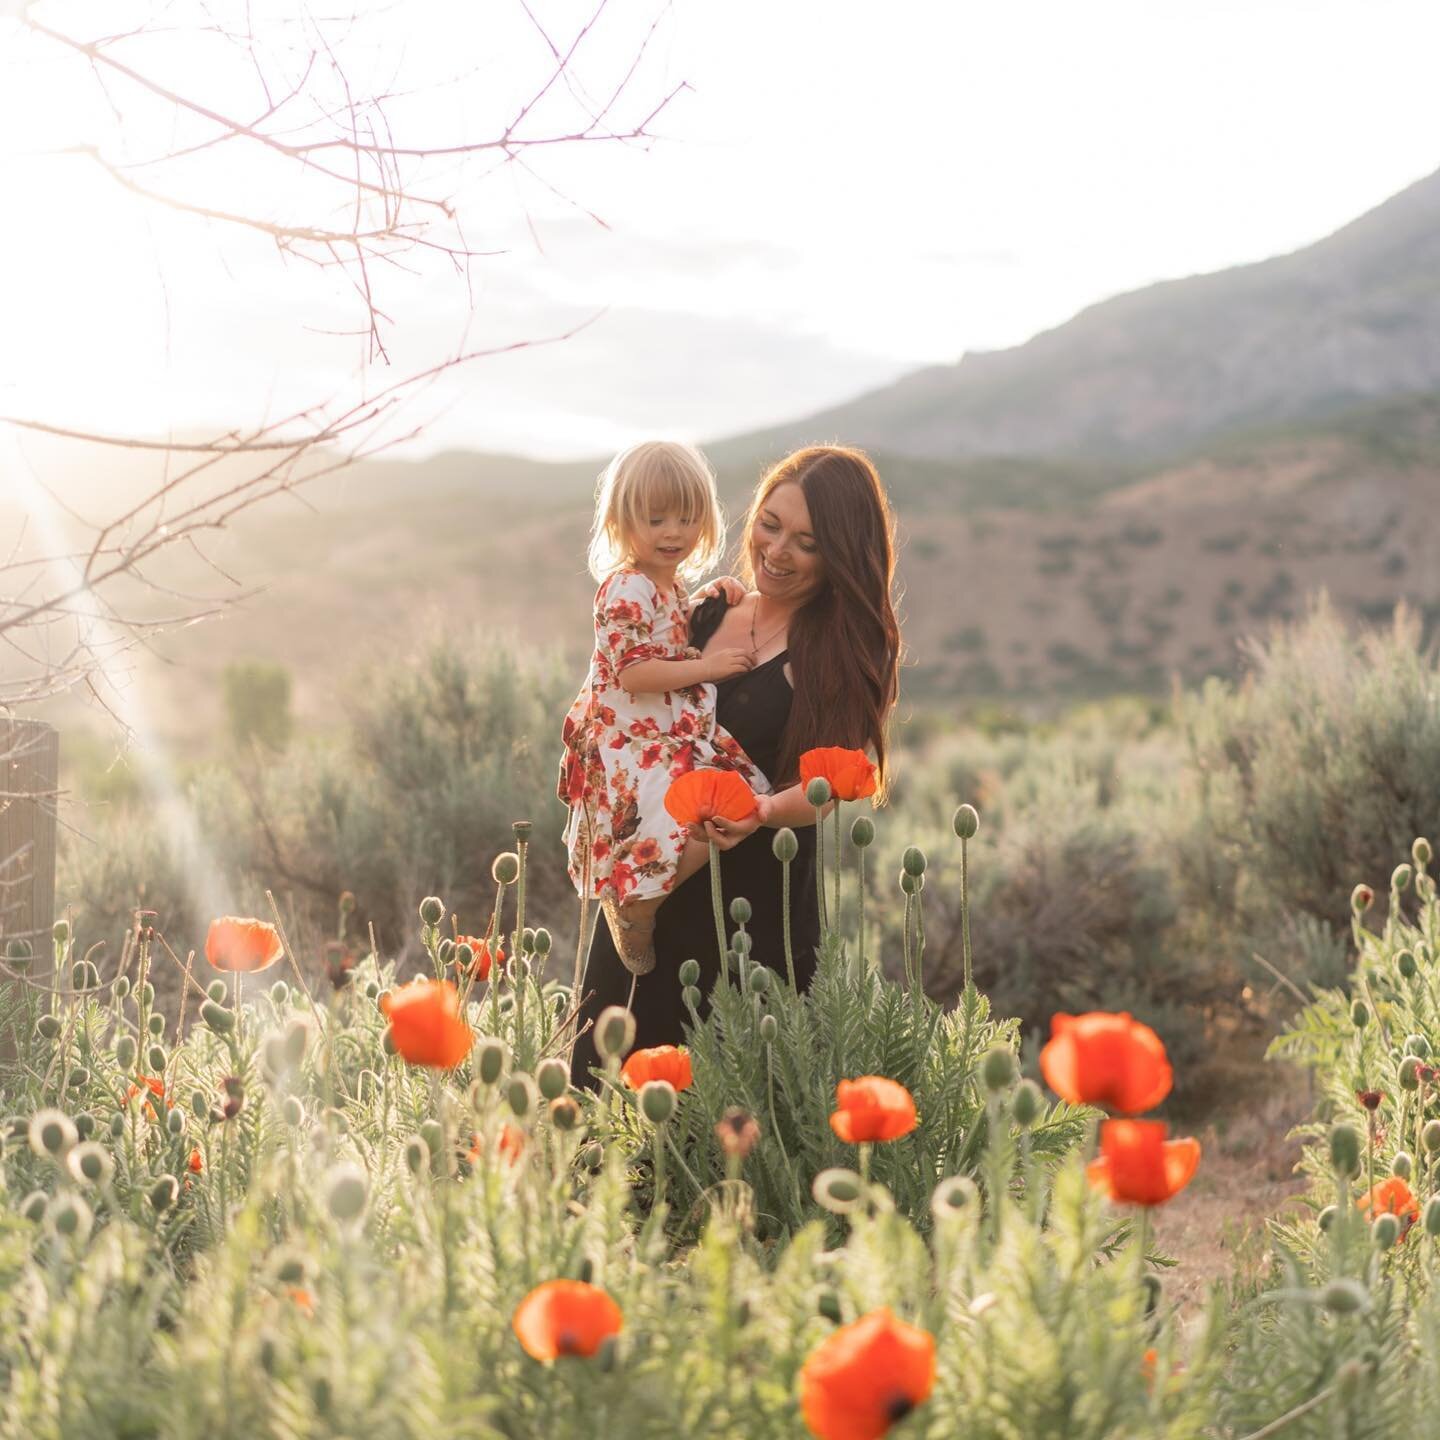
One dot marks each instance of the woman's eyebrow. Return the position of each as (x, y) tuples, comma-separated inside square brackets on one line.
[(767, 511)]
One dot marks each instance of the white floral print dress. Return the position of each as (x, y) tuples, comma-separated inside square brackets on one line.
[(623, 750)]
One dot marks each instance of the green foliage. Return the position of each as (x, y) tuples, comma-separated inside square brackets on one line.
[(257, 704)]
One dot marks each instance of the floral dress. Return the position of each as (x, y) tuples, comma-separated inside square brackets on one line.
[(623, 750)]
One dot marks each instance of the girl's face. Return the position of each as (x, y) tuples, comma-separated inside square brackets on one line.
[(665, 538), (783, 551)]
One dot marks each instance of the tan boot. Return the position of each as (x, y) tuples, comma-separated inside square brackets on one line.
[(632, 927)]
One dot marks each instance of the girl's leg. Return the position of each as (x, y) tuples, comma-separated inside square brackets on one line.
[(632, 922), (694, 858)]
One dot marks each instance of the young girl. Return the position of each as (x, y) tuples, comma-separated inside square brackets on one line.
[(646, 712)]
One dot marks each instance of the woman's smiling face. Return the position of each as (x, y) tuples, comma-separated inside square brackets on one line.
[(783, 552)]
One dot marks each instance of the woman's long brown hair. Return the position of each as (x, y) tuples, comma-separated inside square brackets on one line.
[(844, 642)]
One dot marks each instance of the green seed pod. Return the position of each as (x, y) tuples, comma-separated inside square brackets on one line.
[(1420, 852), (827, 1303), (175, 1122), (552, 1076), (292, 1112), (769, 1029), (1432, 1215), (1409, 1072), (522, 829), (1385, 1231), (1345, 1149), (527, 941), (90, 1163), (279, 994), (345, 1193), (60, 932), (565, 1113), (417, 1155), (156, 1025), (1027, 1104), (657, 1101), (506, 869), (742, 943), (1417, 1045), (199, 1105), (614, 1032), (520, 1095), (837, 1190), (740, 910), (1430, 1136), (911, 884), (1360, 1014), (1345, 1297), (19, 950), (84, 1124), (492, 1056), (452, 954), (966, 822), (122, 988), (163, 1193), (761, 979), (52, 1133), (1326, 1218), (785, 847), (593, 1155), (117, 1125), (998, 1070), (432, 910), (954, 1196), (70, 1216), (1400, 877), (32, 1207), (913, 860), (544, 940), (690, 972), (817, 792), (691, 997), (155, 1057), (217, 991), (1401, 1165), (48, 1026), (862, 832), (219, 1019), (125, 1053)]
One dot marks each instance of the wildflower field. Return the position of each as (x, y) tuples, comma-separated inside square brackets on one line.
[(347, 1206)]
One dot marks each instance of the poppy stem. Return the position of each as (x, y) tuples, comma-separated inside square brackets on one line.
[(965, 912), (820, 866), (835, 821), (718, 905), (785, 920), (861, 856)]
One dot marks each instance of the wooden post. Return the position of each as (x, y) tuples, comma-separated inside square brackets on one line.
[(29, 798)]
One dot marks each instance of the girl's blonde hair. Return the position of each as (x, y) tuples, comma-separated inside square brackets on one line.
[(655, 477)]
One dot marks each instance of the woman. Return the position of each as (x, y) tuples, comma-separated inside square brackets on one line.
[(819, 627)]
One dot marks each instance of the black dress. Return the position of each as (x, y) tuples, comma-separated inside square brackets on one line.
[(753, 707)]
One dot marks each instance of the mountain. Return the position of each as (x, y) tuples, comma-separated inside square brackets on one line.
[(1351, 319)]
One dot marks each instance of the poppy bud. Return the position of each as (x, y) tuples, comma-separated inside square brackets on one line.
[(163, 1193), (966, 822), (657, 1101), (199, 1104), (84, 1124), (1430, 1135), (432, 1133), (219, 1019), (417, 1155), (345, 1193), (761, 978), (817, 792), (911, 884), (491, 1058), (19, 954), (1345, 1297), (1326, 1218), (432, 910), (147, 994), (1400, 877), (1027, 1104), (543, 941), (913, 860), (527, 940), (267, 1352), (32, 1207), (953, 1196), (1385, 1231), (564, 1113), (156, 1025), (155, 1057), (828, 1305), (1432, 1215), (785, 847), (85, 976), (122, 988), (1362, 897), (862, 832), (506, 869), (593, 1155), (69, 1215), (175, 1122), (1420, 852), (216, 991), (52, 1133), (48, 1026), (117, 1124), (997, 1070), (769, 1029), (291, 1268), (837, 1190), (60, 932), (520, 1094), (553, 1078), (614, 1032), (691, 996), (90, 1163), (451, 953), (1345, 1149), (292, 1112), (1360, 1014), (279, 994), (1409, 1072), (372, 990), (690, 972), (1401, 1164), (1417, 1045), (743, 943), (322, 1393)]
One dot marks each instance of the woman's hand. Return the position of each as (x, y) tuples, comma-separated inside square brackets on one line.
[(727, 585), (726, 834)]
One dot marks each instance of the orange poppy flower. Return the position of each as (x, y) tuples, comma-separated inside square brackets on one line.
[(155, 1085), (850, 772), (482, 961), (195, 1163), (426, 1024), (244, 945), (565, 1317), (1108, 1060), (509, 1144), (866, 1377), (659, 1062), (302, 1299), (872, 1108), (1139, 1166), (1391, 1197), (701, 795)]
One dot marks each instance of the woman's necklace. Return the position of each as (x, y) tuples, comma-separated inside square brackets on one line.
[(754, 646)]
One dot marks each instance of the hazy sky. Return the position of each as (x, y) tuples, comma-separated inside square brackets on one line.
[(849, 191)]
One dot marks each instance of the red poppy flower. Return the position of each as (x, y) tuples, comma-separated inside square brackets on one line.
[(872, 1108), (1108, 1060), (509, 1145), (426, 1024), (242, 945), (196, 1164), (701, 795), (1391, 1197), (155, 1085), (1139, 1166), (851, 773), (302, 1300), (565, 1317), (866, 1377), (659, 1062), (482, 960)]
